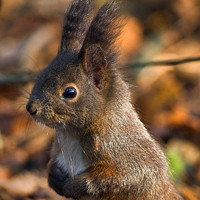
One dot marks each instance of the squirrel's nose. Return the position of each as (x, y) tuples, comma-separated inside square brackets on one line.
[(31, 107)]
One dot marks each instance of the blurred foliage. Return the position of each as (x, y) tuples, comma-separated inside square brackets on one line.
[(176, 164), (167, 98)]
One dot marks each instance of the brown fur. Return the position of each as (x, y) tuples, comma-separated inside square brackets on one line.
[(119, 159)]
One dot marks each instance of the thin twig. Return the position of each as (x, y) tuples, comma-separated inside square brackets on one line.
[(164, 62), (30, 76), (18, 78)]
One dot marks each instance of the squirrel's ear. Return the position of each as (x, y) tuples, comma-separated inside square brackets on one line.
[(94, 63)]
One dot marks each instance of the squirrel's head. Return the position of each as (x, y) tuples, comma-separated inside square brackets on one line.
[(74, 89)]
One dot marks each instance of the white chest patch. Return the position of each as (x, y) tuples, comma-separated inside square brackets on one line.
[(71, 157)]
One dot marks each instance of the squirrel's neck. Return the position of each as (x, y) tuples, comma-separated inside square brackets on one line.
[(119, 119), (119, 114)]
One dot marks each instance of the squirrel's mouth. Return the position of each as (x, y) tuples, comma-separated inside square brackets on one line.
[(44, 118), (41, 114), (50, 120), (45, 114)]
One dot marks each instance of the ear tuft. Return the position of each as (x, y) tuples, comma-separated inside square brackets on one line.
[(94, 63), (76, 24)]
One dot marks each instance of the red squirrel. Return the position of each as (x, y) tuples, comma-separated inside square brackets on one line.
[(101, 150)]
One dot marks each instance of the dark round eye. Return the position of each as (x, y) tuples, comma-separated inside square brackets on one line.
[(69, 93)]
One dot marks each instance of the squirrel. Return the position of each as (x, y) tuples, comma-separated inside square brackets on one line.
[(101, 149)]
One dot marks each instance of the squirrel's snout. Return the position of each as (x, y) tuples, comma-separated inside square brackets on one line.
[(31, 107)]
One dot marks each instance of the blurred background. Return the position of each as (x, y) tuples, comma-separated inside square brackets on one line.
[(167, 98)]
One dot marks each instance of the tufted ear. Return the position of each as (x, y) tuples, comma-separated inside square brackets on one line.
[(94, 63), (76, 24)]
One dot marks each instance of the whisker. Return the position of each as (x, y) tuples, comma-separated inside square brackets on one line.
[(28, 121), (25, 97), (25, 90), (19, 106), (12, 94), (35, 63)]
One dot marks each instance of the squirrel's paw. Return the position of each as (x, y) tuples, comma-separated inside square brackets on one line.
[(73, 189), (57, 179)]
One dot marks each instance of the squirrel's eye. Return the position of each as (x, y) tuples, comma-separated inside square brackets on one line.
[(69, 93)]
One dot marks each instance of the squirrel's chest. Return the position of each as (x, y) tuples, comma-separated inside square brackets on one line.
[(71, 156)]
